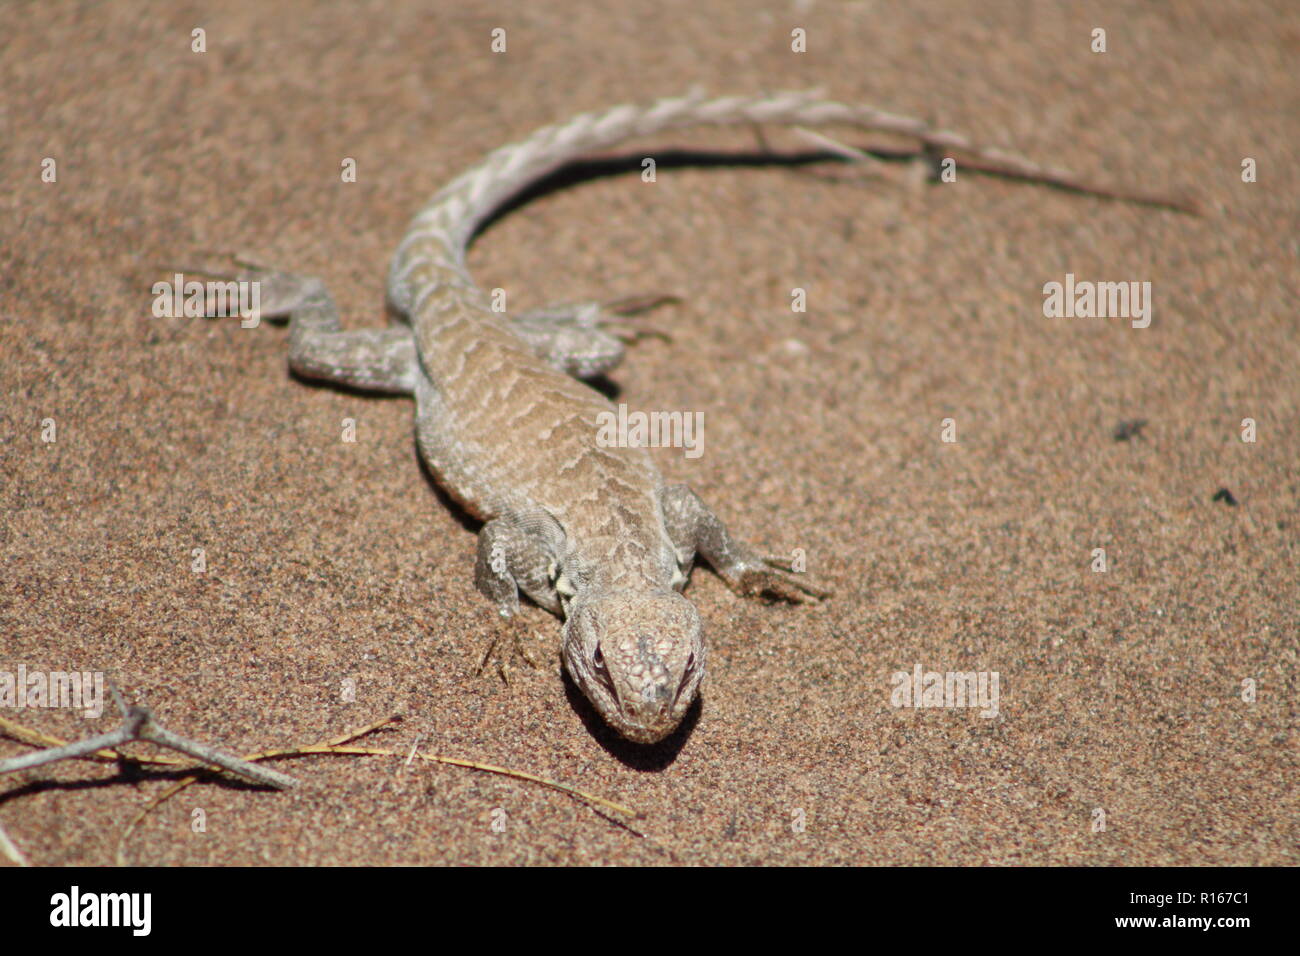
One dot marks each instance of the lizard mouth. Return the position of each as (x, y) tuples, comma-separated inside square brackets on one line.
[(641, 733), (657, 716), (643, 726)]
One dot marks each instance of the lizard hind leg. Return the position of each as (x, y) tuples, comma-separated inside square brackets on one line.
[(378, 360)]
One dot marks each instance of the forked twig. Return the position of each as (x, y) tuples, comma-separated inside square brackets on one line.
[(139, 725), (35, 738)]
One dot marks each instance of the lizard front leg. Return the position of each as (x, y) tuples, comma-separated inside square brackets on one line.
[(693, 529), (517, 553)]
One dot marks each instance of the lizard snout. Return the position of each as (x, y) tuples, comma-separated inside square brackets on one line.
[(655, 700)]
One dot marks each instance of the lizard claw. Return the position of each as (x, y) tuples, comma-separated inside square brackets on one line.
[(774, 577), (632, 305), (636, 304), (505, 644)]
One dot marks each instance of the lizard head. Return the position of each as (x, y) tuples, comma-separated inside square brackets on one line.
[(639, 658)]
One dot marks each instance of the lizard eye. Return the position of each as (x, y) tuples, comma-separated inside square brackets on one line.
[(690, 663), (598, 658)]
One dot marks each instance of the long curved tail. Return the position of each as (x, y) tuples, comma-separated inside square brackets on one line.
[(439, 233)]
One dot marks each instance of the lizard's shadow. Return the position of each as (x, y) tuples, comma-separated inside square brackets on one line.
[(467, 520)]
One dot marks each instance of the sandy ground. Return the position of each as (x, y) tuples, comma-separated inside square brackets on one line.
[(1127, 731)]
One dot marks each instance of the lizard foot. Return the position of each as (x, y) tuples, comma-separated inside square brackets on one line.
[(506, 645), (587, 339), (774, 577)]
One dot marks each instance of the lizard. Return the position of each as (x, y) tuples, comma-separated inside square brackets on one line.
[(507, 425)]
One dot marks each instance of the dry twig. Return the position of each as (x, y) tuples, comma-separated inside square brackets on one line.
[(139, 725)]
